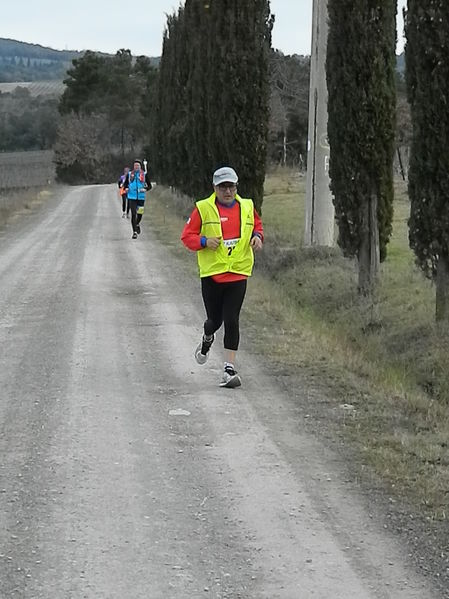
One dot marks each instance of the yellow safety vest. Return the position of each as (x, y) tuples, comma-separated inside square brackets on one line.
[(233, 255)]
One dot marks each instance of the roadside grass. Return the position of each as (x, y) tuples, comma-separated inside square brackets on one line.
[(383, 390), (15, 201), (324, 285)]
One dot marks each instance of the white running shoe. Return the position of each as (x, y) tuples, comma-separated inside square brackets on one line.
[(123, 214), (230, 379), (202, 351)]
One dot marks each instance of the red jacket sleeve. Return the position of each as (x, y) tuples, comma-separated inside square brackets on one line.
[(190, 236), (258, 227)]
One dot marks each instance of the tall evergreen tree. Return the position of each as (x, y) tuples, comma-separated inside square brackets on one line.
[(361, 84), (240, 90), (147, 106), (200, 162), (84, 84), (213, 103), (120, 97), (427, 76), (170, 107)]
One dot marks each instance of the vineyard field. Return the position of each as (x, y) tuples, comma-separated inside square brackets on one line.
[(36, 88), (26, 169)]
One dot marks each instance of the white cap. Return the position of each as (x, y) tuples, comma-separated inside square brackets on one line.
[(225, 174)]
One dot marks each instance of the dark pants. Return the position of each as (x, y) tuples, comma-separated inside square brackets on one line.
[(135, 218), (125, 203), (223, 302)]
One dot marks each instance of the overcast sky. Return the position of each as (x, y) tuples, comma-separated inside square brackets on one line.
[(108, 25)]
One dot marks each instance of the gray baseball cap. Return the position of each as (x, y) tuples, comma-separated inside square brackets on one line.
[(226, 174)]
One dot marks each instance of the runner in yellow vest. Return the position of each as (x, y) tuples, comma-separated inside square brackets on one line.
[(224, 229)]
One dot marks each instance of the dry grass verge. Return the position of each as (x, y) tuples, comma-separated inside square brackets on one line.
[(15, 201)]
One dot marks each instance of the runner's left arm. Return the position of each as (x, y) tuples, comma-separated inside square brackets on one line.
[(258, 227)]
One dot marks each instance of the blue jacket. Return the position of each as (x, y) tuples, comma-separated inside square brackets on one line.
[(137, 182)]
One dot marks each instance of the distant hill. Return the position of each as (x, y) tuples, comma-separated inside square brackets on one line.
[(20, 61), (14, 48), (24, 62)]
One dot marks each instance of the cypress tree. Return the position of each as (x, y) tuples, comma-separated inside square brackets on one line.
[(178, 127), (198, 24), (360, 77), (215, 104), (161, 111), (169, 103), (427, 77), (239, 89)]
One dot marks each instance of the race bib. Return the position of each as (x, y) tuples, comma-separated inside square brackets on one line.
[(230, 244)]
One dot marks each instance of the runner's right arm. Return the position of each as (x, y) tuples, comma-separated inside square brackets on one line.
[(126, 183), (190, 236)]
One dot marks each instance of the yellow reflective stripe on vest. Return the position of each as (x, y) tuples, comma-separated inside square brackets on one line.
[(234, 255)]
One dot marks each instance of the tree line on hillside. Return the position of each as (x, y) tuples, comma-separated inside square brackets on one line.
[(21, 61), (9, 47), (14, 69)]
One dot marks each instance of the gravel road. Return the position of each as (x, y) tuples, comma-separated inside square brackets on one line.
[(125, 472)]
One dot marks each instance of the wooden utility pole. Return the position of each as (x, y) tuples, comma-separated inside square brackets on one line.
[(319, 224)]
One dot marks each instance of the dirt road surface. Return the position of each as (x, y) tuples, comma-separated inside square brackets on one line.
[(125, 472)]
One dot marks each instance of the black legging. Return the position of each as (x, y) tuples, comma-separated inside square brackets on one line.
[(223, 302), (125, 204), (135, 218)]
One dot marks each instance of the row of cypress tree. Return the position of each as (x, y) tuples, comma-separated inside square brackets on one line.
[(212, 105), (361, 84)]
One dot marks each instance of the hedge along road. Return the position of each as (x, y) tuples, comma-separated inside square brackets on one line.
[(125, 471)]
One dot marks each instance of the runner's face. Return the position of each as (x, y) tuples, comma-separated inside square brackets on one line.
[(226, 192), (137, 166)]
